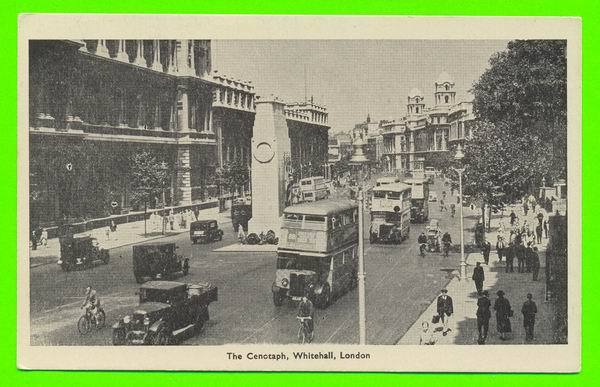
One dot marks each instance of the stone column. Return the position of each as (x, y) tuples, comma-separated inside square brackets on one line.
[(139, 54), (121, 52), (435, 139), (121, 121), (444, 140), (101, 49), (157, 117), (183, 109), (183, 175), (140, 113), (172, 58), (270, 142), (156, 65), (192, 54)]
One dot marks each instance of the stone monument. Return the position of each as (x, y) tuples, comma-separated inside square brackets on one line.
[(270, 148)]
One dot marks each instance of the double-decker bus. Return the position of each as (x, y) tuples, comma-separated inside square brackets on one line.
[(419, 212), (390, 213), (313, 189), (317, 252)]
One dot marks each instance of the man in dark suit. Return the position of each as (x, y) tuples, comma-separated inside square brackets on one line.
[(478, 277), (510, 257), (445, 309), (529, 311), (483, 316)]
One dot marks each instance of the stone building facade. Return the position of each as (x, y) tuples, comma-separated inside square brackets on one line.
[(95, 103), (427, 132)]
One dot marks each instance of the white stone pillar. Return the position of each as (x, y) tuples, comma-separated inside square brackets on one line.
[(101, 49), (435, 139), (171, 63), (156, 65), (182, 109), (270, 142), (139, 55), (183, 176), (121, 52), (192, 55)]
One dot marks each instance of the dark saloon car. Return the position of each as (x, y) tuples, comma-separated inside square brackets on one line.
[(204, 231), (168, 312), (80, 252), (157, 261)]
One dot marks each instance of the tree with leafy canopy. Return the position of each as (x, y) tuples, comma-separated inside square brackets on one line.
[(232, 176), (520, 130), (149, 178), (524, 95)]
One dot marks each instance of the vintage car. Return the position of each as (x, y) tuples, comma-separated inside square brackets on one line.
[(167, 313), (80, 252), (157, 261), (434, 236), (204, 231)]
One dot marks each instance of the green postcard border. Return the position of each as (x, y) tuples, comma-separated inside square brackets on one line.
[(8, 97)]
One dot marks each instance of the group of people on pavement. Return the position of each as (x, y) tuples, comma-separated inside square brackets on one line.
[(173, 220), (440, 322)]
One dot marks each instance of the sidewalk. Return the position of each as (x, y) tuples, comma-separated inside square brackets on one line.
[(516, 286), (126, 234)]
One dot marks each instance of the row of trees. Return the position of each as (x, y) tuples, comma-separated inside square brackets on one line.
[(520, 132)]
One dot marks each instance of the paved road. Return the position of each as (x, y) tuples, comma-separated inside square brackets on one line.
[(399, 286)]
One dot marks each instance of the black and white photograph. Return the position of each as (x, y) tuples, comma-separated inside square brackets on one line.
[(302, 201)]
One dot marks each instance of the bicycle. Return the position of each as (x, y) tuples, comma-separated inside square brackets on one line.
[(84, 325), (305, 335)]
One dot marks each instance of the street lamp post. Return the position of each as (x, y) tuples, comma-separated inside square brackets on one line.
[(463, 263), (362, 319)]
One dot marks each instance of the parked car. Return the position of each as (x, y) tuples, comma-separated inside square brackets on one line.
[(434, 236), (205, 231), (433, 197), (157, 261), (80, 252), (167, 313)]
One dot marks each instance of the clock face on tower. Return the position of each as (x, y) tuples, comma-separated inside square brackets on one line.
[(263, 152)]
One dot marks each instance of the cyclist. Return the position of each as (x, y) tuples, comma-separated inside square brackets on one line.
[(447, 241), (92, 302), (306, 312)]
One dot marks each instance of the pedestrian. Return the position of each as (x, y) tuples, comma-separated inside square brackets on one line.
[(427, 337), (528, 257), (529, 311), (525, 207), (486, 248), (171, 219), (44, 237), (510, 256), (538, 233), (546, 228), (113, 226), (503, 314), (445, 309), (196, 213), (501, 229), (483, 316), (442, 205), (513, 217), (500, 247), (540, 217), (520, 253), (478, 277), (33, 240), (535, 263)]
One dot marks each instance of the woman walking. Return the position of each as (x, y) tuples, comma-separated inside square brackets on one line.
[(503, 314)]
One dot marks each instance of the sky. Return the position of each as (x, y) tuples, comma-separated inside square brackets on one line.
[(353, 78)]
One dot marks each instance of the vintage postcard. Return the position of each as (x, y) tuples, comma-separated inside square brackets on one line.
[(303, 193)]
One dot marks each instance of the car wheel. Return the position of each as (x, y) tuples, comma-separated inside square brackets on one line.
[(278, 298), (162, 337), (118, 337)]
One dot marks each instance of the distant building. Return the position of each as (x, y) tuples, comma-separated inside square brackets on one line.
[(372, 135), (426, 132)]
